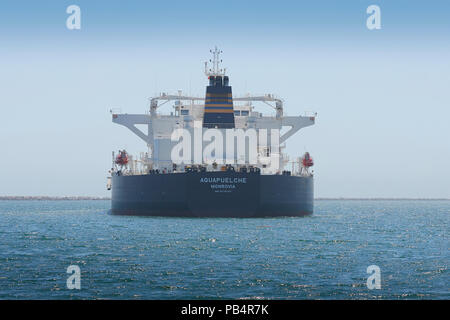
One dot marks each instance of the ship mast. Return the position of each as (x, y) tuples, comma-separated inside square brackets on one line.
[(215, 70)]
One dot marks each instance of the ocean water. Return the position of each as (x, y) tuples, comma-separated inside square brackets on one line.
[(324, 256)]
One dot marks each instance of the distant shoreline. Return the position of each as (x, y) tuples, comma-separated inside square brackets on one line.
[(378, 199), (50, 198)]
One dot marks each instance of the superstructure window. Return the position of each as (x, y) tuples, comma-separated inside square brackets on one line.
[(244, 113), (184, 112), (237, 112)]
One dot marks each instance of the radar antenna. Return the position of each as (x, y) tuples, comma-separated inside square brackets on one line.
[(215, 70)]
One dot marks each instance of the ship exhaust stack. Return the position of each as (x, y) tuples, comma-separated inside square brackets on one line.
[(218, 112)]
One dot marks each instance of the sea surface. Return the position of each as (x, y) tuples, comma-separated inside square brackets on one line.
[(324, 256)]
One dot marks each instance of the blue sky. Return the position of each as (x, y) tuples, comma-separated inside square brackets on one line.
[(382, 96)]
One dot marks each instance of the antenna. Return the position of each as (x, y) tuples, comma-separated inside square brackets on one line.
[(215, 70)]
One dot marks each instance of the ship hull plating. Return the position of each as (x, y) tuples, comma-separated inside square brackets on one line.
[(212, 194)]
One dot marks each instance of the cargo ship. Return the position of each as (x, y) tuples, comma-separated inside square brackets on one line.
[(212, 156)]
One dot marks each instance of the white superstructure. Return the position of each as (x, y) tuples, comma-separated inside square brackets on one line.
[(188, 114)]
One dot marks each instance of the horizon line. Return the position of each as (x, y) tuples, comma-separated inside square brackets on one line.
[(54, 198)]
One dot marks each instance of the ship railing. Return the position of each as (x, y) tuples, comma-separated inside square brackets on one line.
[(115, 110), (128, 172), (309, 114)]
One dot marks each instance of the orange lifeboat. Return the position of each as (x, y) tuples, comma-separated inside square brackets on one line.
[(122, 158), (307, 161)]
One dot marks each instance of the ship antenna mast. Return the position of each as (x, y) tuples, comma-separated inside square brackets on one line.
[(215, 70)]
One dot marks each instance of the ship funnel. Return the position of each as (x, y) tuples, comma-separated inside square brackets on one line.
[(219, 112)]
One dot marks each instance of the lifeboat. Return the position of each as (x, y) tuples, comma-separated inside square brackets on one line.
[(307, 161), (122, 158)]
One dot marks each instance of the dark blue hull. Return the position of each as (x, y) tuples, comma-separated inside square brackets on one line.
[(212, 194)]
